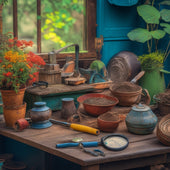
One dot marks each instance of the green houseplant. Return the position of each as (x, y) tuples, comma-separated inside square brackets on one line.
[(157, 26)]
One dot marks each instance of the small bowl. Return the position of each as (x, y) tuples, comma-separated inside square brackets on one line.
[(126, 97), (96, 110), (108, 122)]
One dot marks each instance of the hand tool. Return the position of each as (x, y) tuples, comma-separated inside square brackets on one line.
[(77, 127), (95, 152), (114, 142)]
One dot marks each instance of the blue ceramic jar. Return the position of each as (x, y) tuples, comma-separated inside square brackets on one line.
[(40, 112), (141, 120)]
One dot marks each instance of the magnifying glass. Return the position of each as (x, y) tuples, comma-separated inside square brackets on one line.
[(114, 142)]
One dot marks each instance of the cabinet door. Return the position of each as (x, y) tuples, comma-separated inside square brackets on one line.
[(114, 23)]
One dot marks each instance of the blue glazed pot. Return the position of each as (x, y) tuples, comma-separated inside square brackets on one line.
[(40, 112), (141, 120)]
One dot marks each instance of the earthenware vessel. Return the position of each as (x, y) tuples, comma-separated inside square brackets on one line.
[(108, 122), (40, 112), (141, 120), (68, 108)]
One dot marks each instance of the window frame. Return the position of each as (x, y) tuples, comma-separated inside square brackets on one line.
[(90, 38)]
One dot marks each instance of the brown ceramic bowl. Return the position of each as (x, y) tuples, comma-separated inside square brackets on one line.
[(108, 122), (97, 109), (127, 93)]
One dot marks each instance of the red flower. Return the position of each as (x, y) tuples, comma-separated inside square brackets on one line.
[(21, 69), (34, 79), (31, 76), (8, 74), (11, 40), (0, 61)]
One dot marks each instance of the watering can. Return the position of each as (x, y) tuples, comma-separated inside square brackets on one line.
[(154, 82)]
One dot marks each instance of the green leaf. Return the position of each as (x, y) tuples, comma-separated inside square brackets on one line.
[(166, 27), (140, 35), (158, 34), (165, 14), (149, 14)]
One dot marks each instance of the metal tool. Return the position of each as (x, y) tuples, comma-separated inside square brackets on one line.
[(95, 152), (76, 79), (77, 127), (114, 142)]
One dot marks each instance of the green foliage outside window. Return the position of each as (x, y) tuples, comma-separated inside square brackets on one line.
[(62, 22)]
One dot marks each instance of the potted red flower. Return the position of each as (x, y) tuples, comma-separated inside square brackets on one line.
[(18, 67)]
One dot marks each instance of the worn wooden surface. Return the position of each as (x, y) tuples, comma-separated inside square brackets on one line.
[(140, 146), (62, 88)]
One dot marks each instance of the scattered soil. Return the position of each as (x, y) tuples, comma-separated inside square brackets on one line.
[(164, 97), (98, 101), (109, 117), (125, 87)]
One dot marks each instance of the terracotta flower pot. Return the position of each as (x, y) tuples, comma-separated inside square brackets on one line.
[(12, 114), (11, 98)]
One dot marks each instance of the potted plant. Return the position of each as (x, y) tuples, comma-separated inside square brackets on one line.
[(157, 27), (18, 66)]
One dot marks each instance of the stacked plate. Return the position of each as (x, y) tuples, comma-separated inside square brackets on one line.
[(163, 130)]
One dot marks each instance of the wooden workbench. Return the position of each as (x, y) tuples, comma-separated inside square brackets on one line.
[(143, 150)]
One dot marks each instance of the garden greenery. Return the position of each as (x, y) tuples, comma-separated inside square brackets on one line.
[(157, 27)]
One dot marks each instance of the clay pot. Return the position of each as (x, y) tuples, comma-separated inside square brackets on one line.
[(12, 114), (108, 122), (11, 98), (40, 112), (68, 108), (126, 97), (141, 120)]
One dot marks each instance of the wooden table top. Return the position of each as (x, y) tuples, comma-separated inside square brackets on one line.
[(46, 140)]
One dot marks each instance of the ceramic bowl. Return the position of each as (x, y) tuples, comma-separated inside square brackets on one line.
[(97, 109), (126, 97), (108, 122)]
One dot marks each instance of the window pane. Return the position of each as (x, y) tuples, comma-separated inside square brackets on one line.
[(7, 15), (62, 24), (27, 21)]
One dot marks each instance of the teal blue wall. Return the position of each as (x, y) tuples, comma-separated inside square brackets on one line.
[(114, 23)]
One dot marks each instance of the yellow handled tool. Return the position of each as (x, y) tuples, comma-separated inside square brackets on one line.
[(78, 127)]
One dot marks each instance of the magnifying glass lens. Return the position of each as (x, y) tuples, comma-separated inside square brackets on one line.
[(115, 142)]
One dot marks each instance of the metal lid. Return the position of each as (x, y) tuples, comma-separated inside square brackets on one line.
[(140, 107)]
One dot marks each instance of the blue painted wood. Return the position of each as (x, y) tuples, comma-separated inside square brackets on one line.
[(53, 101), (112, 47), (114, 23), (123, 2), (35, 158)]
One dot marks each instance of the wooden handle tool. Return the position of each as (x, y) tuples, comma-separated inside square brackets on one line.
[(78, 127)]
